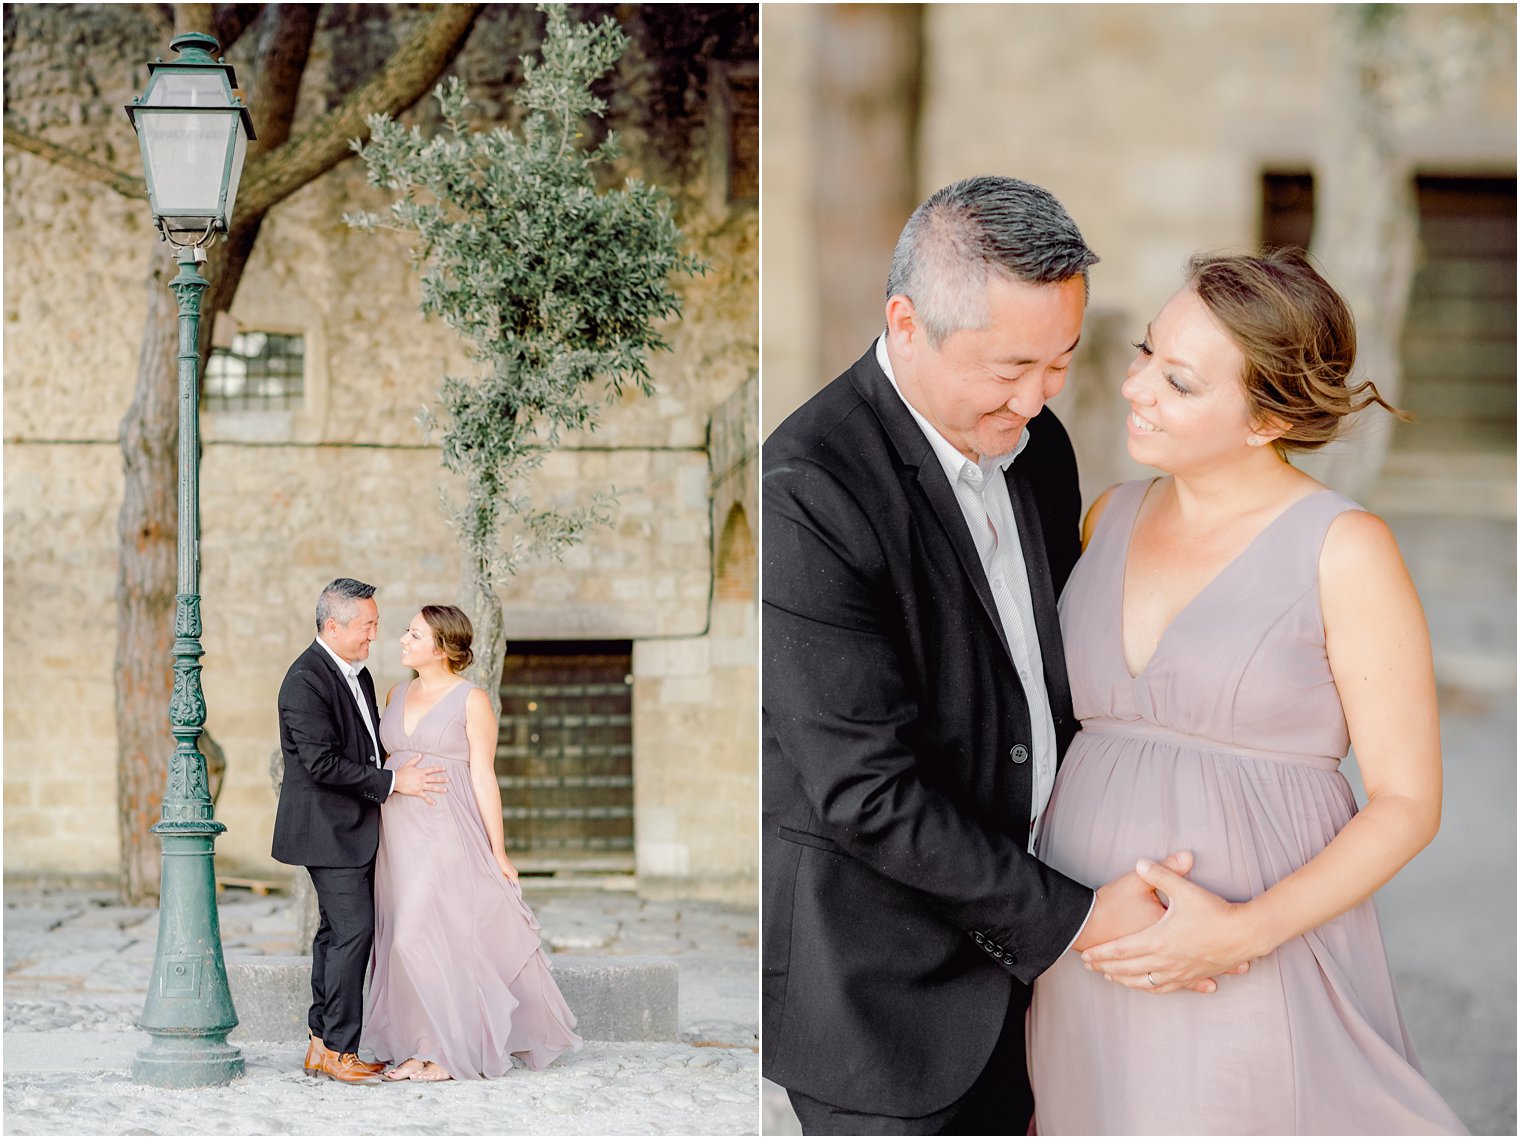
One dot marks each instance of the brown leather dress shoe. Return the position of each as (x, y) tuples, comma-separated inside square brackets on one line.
[(347, 1068), (313, 1063)]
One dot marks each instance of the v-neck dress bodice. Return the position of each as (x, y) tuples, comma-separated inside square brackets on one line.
[(1228, 744), (459, 975), (1248, 647)]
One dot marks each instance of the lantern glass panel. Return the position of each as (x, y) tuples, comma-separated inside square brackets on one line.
[(186, 157), (188, 89), (239, 152)]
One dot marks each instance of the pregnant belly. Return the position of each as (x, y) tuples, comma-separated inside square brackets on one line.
[(1247, 821)]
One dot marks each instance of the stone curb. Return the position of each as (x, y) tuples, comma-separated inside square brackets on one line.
[(613, 998)]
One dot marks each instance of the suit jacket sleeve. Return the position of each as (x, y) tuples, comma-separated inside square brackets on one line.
[(837, 701), (311, 721)]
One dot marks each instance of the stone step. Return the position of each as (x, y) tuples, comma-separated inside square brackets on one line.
[(613, 998)]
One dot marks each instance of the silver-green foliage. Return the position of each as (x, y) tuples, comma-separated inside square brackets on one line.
[(555, 287)]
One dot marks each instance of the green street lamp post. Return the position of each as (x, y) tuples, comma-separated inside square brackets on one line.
[(194, 131)]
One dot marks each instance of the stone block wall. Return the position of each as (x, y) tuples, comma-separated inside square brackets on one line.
[(346, 483), (60, 637), (696, 796)]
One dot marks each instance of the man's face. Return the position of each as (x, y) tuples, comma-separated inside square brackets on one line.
[(979, 387), (352, 641)]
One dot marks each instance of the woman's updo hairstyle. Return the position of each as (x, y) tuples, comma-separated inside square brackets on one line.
[(452, 633), (1298, 338)]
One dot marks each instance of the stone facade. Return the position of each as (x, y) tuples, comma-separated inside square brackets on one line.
[(346, 484), (1152, 123), (691, 809)]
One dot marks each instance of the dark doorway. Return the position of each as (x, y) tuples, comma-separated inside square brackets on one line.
[(564, 758), (1458, 346)]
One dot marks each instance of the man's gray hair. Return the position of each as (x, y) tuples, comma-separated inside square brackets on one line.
[(977, 227), (337, 600)]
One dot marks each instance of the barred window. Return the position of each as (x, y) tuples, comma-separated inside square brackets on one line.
[(262, 371)]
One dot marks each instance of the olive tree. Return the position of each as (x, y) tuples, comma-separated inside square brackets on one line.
[(557, 286)]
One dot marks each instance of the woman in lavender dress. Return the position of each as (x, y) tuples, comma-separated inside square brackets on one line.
[(459, 983), (1229, 630)]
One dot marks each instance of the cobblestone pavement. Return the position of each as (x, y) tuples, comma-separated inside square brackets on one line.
[(76, 967)]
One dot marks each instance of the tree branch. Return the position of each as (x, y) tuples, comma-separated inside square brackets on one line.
[(407, 76), (232, 20), (125, 184), (283, 49), (274, 176), (193, 18)]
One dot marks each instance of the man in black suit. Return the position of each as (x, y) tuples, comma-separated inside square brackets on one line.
[(920, 516), (328, 818)]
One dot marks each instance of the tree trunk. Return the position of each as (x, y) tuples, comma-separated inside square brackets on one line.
[(147, 576), (1366, 232), (283, 49), (148, 527), (195, 18), (490, 643)]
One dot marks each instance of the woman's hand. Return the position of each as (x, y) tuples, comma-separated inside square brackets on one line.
[(506, 865), (1201, 936)]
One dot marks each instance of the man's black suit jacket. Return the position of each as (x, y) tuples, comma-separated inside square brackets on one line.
[(328, 814), (902, 911)]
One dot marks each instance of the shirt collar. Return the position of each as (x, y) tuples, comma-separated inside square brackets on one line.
[(348, 670), (946, 452)]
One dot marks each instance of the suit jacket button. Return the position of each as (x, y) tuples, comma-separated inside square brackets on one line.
[(1019, 753)]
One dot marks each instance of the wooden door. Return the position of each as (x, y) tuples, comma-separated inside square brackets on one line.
[(564, 758)]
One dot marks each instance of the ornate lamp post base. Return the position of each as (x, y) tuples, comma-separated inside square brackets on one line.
[(189, 1007), (187, 1062)]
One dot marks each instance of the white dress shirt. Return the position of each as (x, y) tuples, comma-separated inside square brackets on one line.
[(351, 674), (981, 491)]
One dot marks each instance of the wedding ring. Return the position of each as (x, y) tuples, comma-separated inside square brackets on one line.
[(1151, 979)]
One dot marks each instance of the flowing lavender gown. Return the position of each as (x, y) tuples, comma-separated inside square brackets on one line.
[(459, 976), (1227, 744)]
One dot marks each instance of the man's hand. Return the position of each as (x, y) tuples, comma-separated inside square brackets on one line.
[(418, 781), (1126, 905), (1199, 936)]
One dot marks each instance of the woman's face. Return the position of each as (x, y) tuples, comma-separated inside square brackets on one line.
[(417, 645), (1187, 407)]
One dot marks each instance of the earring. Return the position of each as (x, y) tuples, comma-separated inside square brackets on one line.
[(1255, 440)]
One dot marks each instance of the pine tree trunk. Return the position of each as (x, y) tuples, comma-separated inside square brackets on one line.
[(147, 577), (147, 527)]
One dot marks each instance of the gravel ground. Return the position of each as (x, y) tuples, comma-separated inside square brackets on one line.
[(76, 965)]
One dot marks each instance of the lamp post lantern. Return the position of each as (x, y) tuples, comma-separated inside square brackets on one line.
[(194, 132)]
